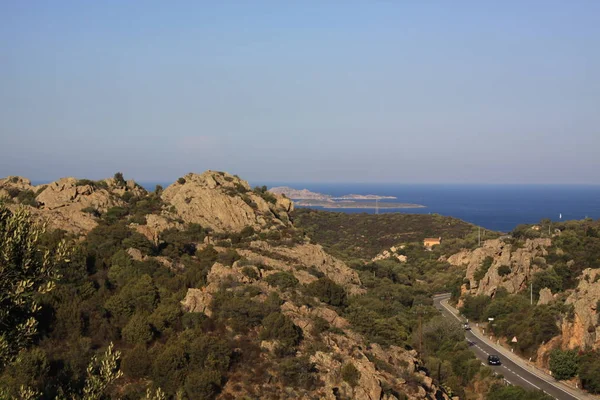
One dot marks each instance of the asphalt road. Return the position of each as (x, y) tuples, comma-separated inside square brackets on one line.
[(512, 372)]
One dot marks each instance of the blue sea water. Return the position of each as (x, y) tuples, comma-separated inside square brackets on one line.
[(495, 207)]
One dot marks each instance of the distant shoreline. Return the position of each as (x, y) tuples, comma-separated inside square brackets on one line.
[(354, 204)]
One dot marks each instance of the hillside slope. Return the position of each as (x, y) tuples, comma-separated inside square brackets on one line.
[(208, 290)]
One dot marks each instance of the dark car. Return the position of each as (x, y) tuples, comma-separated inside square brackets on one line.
[(493, 360)]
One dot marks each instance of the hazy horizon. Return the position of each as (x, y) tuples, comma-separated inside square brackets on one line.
[(311, 92)]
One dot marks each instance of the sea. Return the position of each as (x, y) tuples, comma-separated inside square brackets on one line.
[(495, 207)]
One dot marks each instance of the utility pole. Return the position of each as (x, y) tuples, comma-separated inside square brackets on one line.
[(420, 334), (532, 292), (376, 206)]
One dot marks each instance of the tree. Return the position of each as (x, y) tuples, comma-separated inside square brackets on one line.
[(474, 306), (328, 292), (101, 373), (277, 326), (119, 180), (563, 364), (504, 270), (589, 372), (26, 270)]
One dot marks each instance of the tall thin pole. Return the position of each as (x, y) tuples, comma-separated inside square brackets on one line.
[(531, 292), (376, 206), (420, 334)]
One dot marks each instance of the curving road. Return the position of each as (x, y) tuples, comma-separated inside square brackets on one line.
[(514, 370)]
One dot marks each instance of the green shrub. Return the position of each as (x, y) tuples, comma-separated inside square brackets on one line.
[(563, 364), (483, 268), (350, 374), (474, 306), (137, 363), (504, 270), (589, 371), (228, 257), (119, 180), (298, 372), (283, 280), (250, 273), (137, 330), (328, 292), (181, 181), (277, 326), (501, 392)]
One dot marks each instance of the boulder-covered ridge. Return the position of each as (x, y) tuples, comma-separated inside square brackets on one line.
[(579, 329), (225, 202), (215, 200), (68, 204), (518, 260), (273, 258)]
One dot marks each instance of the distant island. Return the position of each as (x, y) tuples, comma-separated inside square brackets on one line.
[(306, 198)]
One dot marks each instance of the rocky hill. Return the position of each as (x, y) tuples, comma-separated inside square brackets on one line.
[(207, 287), (518, 266), (225, 203), (68, 204), (562, 268)]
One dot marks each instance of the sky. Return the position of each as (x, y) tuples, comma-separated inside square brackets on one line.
[(302, 91)]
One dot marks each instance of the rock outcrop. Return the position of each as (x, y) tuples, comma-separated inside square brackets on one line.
[(71, 204), (583, 331), (224, 202), (518, 260), (342, 345)]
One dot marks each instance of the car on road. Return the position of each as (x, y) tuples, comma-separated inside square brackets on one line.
[(494, 360), (467, 326)]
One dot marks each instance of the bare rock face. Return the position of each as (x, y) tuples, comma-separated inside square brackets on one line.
[(519, 260), (62, 202), (129, 186), (14, 182), (155, 224), (583, 332), (545, 296), (224, 203), (312, 255)]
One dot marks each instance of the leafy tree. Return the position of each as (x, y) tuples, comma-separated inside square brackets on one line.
[(277, 326), (589, 371), (328, 292), (563, 364), (26, 270), (119, 180), (283, 280), (137, 330), (137, 362), (504, 270), (548, 279), (474, 306)]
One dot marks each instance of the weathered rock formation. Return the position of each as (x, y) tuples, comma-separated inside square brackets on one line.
[(519, 260), (224, 203), (341, 348), (583, 331), (67, 203)]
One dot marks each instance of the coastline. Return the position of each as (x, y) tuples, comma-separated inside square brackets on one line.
[(351, 204)]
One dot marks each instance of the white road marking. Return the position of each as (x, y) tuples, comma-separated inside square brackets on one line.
[(538, 376)]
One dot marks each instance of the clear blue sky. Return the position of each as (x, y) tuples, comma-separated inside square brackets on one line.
[(302, 91)]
